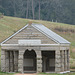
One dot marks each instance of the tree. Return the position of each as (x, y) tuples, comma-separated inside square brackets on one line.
[(56, 10), (19, 8), (27, 9), (39, 9), (33, 9), (14, 6)]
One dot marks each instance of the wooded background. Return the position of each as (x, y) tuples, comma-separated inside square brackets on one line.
[(51, 10)]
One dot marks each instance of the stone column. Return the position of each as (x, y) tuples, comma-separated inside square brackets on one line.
[(20, 61), (7, 61), (62, 63), (68, 63), (39, 61), (57, 61), (61, 59), (65, 60), (2, 60), (15, 61), (11, 62)]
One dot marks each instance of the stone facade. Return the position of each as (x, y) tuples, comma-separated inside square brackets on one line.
[(13, 53), (12, 61)]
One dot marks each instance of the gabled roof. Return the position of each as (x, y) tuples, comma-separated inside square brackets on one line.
[(50, 34), (45, 31)]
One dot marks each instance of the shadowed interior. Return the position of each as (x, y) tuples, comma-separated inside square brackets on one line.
[(48, 61), (29, 60)]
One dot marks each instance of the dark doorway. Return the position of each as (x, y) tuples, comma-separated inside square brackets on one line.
[(48, 61), (29, 61)]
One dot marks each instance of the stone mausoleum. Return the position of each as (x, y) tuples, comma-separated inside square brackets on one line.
[(35, 48)]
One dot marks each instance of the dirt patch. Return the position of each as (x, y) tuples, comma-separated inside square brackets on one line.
[(73, 50), (72, 70), (26, 74)]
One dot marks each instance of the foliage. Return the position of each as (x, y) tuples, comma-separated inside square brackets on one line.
[(51, 10)]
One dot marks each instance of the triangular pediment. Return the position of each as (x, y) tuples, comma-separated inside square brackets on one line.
[(31, 33)]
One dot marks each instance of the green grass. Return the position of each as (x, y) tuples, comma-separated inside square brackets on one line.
[(3, 73), (55, 74), (0, 58), (9, 25)]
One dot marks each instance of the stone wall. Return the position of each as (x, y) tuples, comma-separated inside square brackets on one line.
[(30, 33), (38, 59), (3, 61), (62, 61), (12, 60), (9, 61)]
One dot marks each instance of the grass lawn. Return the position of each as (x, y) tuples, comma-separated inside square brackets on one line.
[(1, 73), (56, 74)]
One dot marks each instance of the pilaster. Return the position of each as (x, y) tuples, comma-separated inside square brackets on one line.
[(15, 61), (65, 60), (39, 61), (68, 63), (57, 61), (7, 61), (62, 63), (20, 61), (11, 61), (2, 60)]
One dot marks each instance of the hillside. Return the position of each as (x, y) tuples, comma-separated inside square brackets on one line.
[(56, 10), (9, 25)]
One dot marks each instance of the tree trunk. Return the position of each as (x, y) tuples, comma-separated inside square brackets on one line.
[(14, 7), (33, 9), (39, 9), (27, 9)]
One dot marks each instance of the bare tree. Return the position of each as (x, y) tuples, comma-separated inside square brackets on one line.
[(39, 9), (27, 9), (14, 7), (33, 9)]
